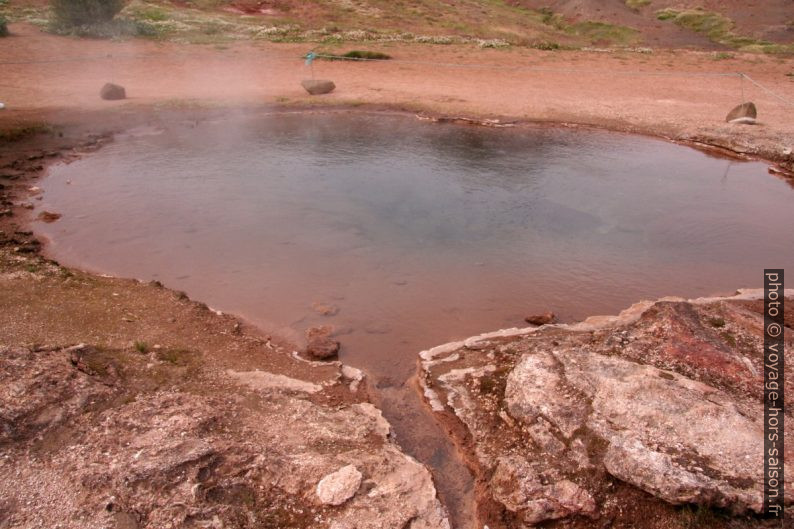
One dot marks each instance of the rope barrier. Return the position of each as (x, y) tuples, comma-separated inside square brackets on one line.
[(742, 76), (398, 61), (638, 73), (767, 90), (534, 68)]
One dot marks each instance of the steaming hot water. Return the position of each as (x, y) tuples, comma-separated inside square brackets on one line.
[(417, 233)]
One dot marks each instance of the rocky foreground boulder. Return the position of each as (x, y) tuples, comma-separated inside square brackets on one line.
[(637, 420)]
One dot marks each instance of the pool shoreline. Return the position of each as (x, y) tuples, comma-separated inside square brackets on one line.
[(42, 156)]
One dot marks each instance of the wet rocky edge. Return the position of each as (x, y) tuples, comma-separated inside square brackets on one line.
[(738, 142), (649, 419), (125, 404), (728, 140)]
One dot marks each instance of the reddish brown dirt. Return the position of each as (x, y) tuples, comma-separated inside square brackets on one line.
[(45, 74)]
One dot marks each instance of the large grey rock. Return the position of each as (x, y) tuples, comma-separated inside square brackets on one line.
[(666, 433), (745, 113), (318, 86), (338, 487), (112, 92)]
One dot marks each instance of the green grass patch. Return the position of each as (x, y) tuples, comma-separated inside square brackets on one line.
[(205, 4), (593, 31), (666, 14), (550, 18), (549, 45), (545, 45), (717, 322), (73, 13), (636, 5), (730, 338), (38, 15), (487, 24), (603, 32), (770, 48), (3, 27), (114, 29), (720, 29), (152, 13), (141, 346), (176, 357)]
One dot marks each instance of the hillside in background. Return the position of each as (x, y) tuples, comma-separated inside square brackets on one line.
[(763, 26), (765, 20)]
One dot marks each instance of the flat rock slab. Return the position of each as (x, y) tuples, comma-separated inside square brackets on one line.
[(318, 86), (262, 380)]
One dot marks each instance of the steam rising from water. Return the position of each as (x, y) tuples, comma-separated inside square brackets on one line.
[(418, 233)]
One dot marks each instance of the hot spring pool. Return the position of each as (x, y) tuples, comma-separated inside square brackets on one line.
[(417, 233)]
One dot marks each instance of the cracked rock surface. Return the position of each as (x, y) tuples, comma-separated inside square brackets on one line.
[(80, 448), (637, 419)]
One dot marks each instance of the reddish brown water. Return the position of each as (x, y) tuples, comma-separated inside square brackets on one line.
[(419, 233)]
